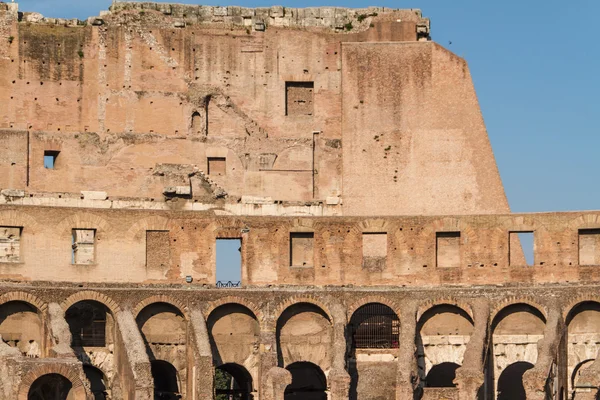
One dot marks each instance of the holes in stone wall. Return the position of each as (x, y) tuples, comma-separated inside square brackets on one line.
[(520, 248)]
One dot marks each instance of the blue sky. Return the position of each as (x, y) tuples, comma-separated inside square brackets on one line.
[(535, 65)]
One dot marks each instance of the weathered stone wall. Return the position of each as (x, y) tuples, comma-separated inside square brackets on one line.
[(136, 103), (330, 251)]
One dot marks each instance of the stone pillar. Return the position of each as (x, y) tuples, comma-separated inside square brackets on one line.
[(470, 376), (407, 375), (60, 334), (535, 379), (200, 369), (339, 379), (132, 360), (273, 379)]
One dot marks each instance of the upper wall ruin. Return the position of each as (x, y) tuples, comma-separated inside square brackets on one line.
[(353, 109)]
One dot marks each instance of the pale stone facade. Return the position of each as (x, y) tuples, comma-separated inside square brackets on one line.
[(347, 154)]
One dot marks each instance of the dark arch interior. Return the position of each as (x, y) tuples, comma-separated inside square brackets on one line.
[(308, 382), (585, 306), (50, 387), (97, 382), (441, 309), (87, 322), (156, 308), (442, 375), (9, 309), (166, 386), (375, 326), (233, 382), (510, 383)]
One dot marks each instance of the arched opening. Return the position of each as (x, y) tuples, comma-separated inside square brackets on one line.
[(21, 327), (442, 375), (164, 330), (375, 326), (97, 381), (166, 386), (308, 382), (516, 331), (583, 338), (374, 331), (234, 331), (88, 324), (510, 383), (443, 334), (51, 387), (198, 123), (304, 333), (232, 382)]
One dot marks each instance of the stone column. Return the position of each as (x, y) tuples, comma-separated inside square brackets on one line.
[(407, 375), (60, 334), (535, 379), (273, 379), (132, 360), (470, 376), (339, 379), (200, 370)]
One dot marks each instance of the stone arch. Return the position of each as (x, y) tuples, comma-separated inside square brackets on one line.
[(373, 299), (238, 381), (82, 220), (161, 298), (510, 382), (309, 382), (25, 298), (443, 332), (577, 371), (292, 301), (304, 332), (519, 300), (430, 304), (572, 306), (19, 218), (94, 296), (234, 333), (62, 369), (585, 221), (155, 223), (213, 305)]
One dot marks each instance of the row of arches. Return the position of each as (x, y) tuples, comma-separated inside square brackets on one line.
[(304, 338)]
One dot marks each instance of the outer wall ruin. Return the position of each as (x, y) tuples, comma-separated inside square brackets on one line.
[(347, 154)]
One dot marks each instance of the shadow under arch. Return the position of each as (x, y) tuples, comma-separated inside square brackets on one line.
[(166, 380), (88, 322), (233, 381), (229, 326), (442, 375), (50, 387), (98, 382), (15, 316), (510, 383), (308, 382), (293, 312)]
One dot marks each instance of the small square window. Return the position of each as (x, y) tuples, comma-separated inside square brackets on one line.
[(217, 166), (299, 98), (84, 246), (10, 243), (448, 249), (302, 249), (50, 157)]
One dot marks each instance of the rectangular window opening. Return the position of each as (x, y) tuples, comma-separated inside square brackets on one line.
[(299, 98), (374, 246), (10, 243), (520, 248), (83, 246), (302, 249), (447, 249), (229, 262), (50, 157), (589, 247), (217, 166)]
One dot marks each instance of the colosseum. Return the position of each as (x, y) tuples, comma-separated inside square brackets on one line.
[(342, 149)]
